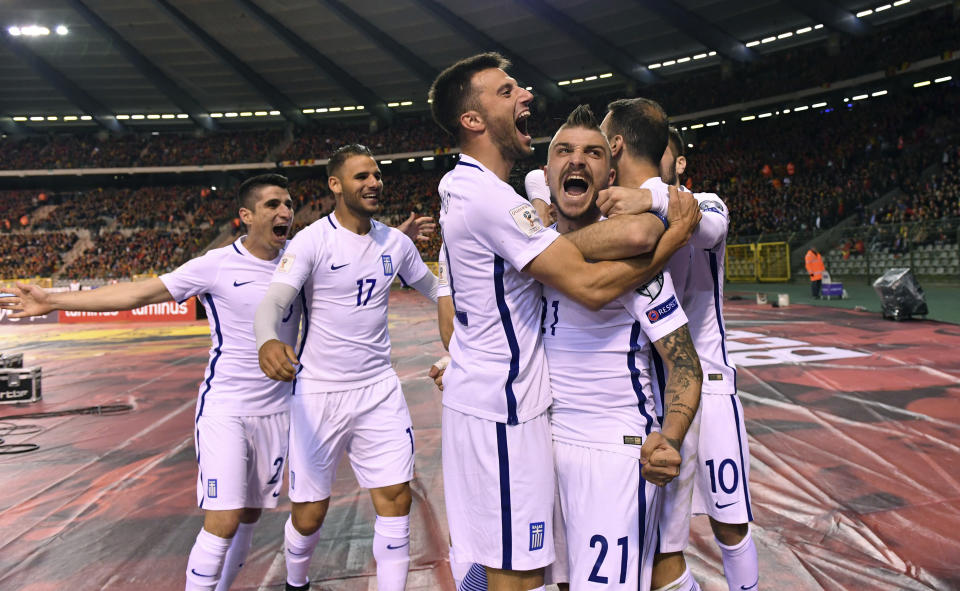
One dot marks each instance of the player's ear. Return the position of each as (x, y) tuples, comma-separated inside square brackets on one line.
[(616, 146), (611, 177), (334, 184), (246, 216), (472, 121), (681, 164)]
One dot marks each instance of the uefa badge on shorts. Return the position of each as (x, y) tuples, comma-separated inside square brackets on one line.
[(536, 535), (387, 265), (212, 488)]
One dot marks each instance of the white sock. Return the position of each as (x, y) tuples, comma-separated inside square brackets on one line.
[(391, 550), (236, 555), (459, 569), (206, 561), (475, 579), (298, 549), (740, 564), (685, 582)]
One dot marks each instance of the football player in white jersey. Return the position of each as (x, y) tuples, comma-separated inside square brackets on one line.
[(497, 449), (603, 407), (674, 161), (242, 416), (538, 194), (347, 397), (715, 471)]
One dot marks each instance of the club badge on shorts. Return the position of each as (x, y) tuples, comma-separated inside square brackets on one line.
[(536, 535), (212, 488)]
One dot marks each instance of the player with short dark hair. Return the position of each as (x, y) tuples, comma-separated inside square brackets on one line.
[(348, 398), (242, 416), (497, 450)]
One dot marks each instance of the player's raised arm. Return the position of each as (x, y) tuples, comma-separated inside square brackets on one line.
[(31, 300)]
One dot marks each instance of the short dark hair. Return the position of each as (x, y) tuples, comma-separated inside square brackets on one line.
[(248, 192), (676, 142), (342, 154), (643, 125), (452, 94)]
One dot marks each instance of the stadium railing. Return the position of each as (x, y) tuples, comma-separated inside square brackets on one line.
[(758, 261)]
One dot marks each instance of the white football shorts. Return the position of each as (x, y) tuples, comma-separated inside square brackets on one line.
[(498, 482), (240, 460), (715, 474), (610, 515), (371, 424)]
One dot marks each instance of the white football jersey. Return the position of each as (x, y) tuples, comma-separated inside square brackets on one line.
[(347, 279), (536, 186), (231, 282), (697, 271), (600, 364), (490, 233)]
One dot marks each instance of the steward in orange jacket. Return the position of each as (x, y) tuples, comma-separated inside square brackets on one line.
[(814, 263)]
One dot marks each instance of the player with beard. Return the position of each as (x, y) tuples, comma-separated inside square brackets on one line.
[(497, 449), (242, 416), (348, 397), (603, 412), (715, 472)]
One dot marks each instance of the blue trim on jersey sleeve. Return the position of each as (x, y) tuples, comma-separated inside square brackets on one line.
[(746, 488), (460, 316), (661, 372), (662, 218), (506, 521), (635, 333), (470, 164), (714, 210), (234, 245), (511, 340), (305, 319), (715, 275), (403, 282), (216, 352)]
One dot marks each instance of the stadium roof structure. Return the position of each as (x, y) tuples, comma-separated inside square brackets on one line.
[(209, 63)]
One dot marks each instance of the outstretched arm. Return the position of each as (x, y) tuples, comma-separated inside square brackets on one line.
[(30, 300)]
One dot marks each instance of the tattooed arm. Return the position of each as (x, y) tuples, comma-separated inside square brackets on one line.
[(684, 378), (660, 454)]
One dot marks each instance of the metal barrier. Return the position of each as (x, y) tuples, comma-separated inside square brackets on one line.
[(763, 261), (41, 281), (741, 262)]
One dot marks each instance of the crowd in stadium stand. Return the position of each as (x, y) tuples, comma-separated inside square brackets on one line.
[(35, 254), (411, 134), (117, 255)]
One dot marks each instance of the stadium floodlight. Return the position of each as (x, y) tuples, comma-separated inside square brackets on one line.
[(260, 113), (69, 117), (684, 128), (406, 103), (34, 31), (653, 66), (122, 117), (531, 88), (274, 112), (361, 107), (764, 115), (337, 109), (804, 30), (230, 114), (753, 43), (669, 63), (393, 104), (699, 56), (213, 187), (86, 118), (786, 111), (785, 35), (216, 115), (878, 93), (137, 117), (168, 116), (14, 31), (153, 116), (350, 108), (689, 145), (901, 2), (768, 39), (52, 118), (36, 118), (586, 79), (803, 108), (860, 97), (864, 13), (322, 109), (818, 27), (712, 53), (182, 115), (818, 105), (881, 8), (19, 118), (697, 126), (309, 111), (246, 113), (576, 81), (944, 79), (62, 30), (713, 124), (386, 162), (427, 158), (683, 60), (607, 75), (748, 118), (565, 82)]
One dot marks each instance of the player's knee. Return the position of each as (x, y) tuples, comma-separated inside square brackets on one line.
[(249, 515), (222, 524), (667, 567), (729, 534), (308, 517), (392, 501)]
